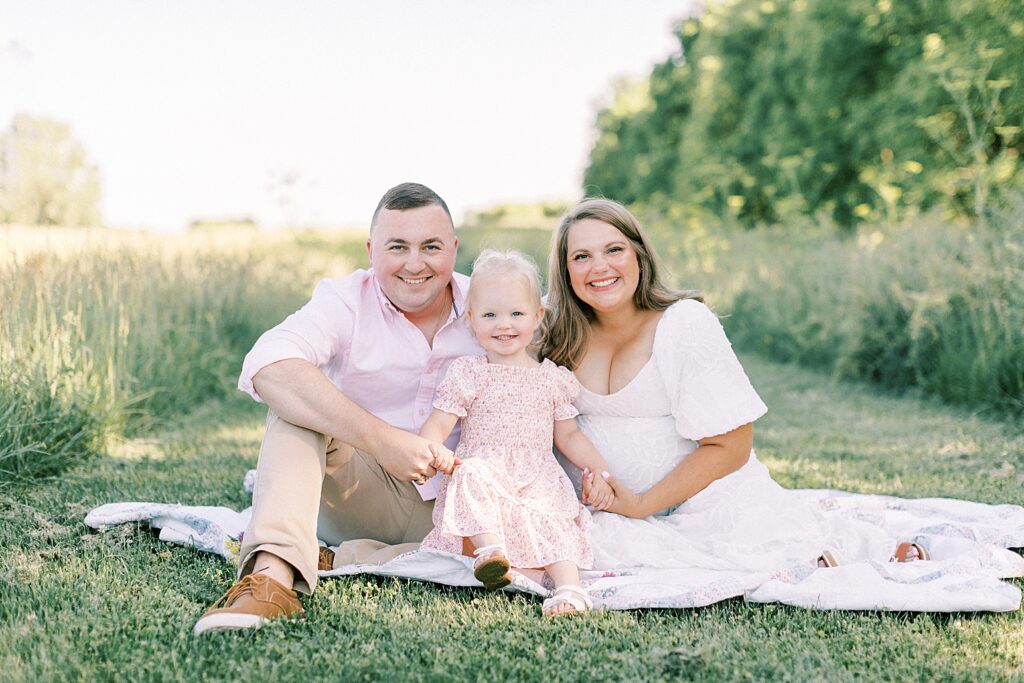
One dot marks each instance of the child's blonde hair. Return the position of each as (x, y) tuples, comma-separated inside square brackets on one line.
[(510, 262)]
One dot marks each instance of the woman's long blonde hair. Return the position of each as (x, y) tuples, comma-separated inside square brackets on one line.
[(567, 321)]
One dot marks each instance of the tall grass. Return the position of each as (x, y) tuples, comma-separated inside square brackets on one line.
[(934, 306), (104, 333), (108, 339)]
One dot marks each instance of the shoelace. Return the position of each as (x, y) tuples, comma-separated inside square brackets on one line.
[(246, 585)]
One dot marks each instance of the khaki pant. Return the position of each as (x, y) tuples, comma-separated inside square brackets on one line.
[(309, 485)]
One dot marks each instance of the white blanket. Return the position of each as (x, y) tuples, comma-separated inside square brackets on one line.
[(974, 538)]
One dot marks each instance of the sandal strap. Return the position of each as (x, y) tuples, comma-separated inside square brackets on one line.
[(489, 549), (577, 597), (900, 553)]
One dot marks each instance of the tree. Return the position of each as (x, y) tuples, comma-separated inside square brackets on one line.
[(46, 177), (861, 109)]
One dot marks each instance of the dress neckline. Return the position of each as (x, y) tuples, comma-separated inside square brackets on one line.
[(639, 372), (625, 386), (489, 364)]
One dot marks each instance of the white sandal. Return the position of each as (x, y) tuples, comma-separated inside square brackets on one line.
[(569, 594), (491, 567)]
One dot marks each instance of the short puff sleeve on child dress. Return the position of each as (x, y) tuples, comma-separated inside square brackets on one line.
[(509, 482)]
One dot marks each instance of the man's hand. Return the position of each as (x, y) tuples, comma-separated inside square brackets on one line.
[(596, 491), (407, 457), (444, 460)]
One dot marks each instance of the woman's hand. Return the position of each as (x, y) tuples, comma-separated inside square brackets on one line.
[(624, 502), (596, 491)]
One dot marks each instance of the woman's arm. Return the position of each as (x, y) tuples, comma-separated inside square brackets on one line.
[(716, 457)]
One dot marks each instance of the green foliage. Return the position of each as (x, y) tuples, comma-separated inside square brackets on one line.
[(110, 341), (531, 241), (538, 215), (47, 424), (45, 175), (859, 110), (933, 307)]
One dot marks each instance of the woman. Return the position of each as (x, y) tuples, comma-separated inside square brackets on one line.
[(668, 405)]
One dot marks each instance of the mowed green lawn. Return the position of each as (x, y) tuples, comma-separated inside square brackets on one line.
[(78, 605)]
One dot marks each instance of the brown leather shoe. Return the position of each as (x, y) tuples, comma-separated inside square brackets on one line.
[(325, 561), (250, 603)]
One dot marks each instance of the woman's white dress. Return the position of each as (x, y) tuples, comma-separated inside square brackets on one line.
[(745, 524)]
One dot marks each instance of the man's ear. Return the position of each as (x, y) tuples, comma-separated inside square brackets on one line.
[(369, 249)]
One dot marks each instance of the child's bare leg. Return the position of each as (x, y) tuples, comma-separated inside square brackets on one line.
[(563, 573), (535, 575), (484, 540), (491, 567)]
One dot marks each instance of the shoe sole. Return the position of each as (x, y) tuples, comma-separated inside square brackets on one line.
[(228, 622), (493, 573)]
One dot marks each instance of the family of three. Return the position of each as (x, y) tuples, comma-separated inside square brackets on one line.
[(409, 380)]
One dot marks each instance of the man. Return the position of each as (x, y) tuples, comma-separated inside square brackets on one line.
[(349, 379)]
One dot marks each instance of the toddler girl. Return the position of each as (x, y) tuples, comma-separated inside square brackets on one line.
[(507, 497)]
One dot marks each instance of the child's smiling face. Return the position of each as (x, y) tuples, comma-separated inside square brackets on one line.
[(504, 313)]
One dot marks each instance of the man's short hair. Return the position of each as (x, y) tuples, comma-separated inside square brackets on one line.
[(409, 196)]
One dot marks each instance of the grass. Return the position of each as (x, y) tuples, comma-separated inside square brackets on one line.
[(105, 334), (76, 605)]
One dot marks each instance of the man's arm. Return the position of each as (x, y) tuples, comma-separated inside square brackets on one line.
[(299, 393)]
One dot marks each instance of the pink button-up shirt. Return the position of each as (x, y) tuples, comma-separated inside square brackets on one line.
[(368, 349)]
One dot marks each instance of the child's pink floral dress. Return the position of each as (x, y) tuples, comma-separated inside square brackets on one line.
[(509, 482)]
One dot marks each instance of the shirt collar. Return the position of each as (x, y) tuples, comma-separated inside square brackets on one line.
[(460, 287), (458, 295)]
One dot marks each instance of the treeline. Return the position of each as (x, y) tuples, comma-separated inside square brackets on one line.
[(863, 110), (46, 177)]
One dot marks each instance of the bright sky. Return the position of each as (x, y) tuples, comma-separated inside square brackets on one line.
[(197, 109)]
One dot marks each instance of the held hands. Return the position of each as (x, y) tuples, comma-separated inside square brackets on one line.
[(410, 457), (444, 460), (596, 491), (622, 500)]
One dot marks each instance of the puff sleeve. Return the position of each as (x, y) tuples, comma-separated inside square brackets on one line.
[(567, 388), (458, 388), (709, 391)]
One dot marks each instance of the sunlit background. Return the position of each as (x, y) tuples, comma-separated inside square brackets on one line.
[(841, 178), (303, 114)]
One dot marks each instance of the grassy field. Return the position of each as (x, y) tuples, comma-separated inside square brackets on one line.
[(118, 354), (77, 605)]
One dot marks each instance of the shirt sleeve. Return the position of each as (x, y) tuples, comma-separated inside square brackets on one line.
[(567, 389), (458, 388), (708, 388), (317, 332)]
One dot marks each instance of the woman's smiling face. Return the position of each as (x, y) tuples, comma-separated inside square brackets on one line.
[(603, 268)]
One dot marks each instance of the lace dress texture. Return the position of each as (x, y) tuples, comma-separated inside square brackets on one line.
[(694, 387), (509, 482)]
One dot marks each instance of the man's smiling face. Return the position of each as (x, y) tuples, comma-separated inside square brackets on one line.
[(412, 252)]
